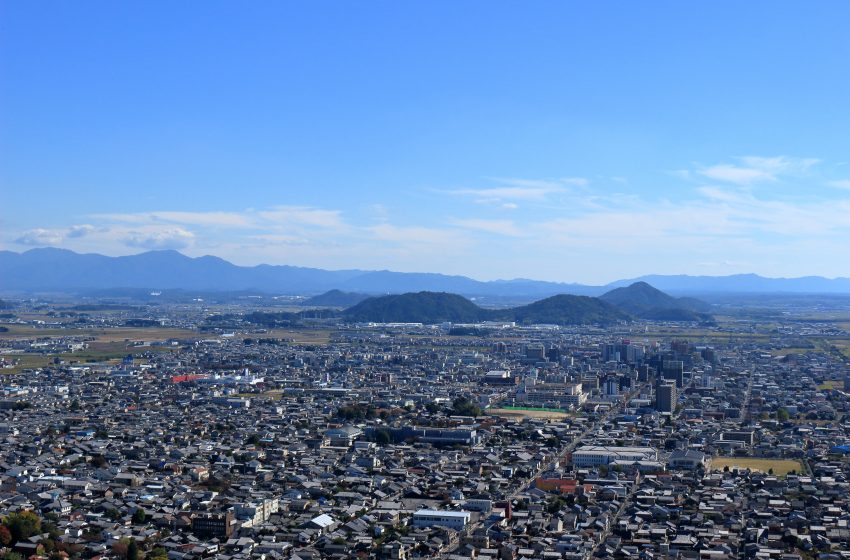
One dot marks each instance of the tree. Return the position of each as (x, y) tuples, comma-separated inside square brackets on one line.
[(5, 536), (554, 505), (383, 436), (22, 525), (121, 548), (133, 550), (464, 407), (139, 516), (782, 415)]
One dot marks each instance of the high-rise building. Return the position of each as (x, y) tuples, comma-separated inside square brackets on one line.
[(612, 386), (673, 370), (666, 396), (625, 352), (535, 352)]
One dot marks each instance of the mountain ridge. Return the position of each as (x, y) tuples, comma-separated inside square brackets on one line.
[(61, 270)]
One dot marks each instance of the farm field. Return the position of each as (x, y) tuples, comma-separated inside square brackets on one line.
[(147, 334), (301, 336)]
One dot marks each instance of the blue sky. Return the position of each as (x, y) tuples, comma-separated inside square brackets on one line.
[(571, 141)]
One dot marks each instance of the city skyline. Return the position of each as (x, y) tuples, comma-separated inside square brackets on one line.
[(560, 142)]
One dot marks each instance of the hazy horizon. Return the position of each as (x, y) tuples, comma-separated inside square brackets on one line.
[(506, 279), (555, 141)]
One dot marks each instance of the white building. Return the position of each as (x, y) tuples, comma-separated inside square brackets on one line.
[(457, 520), (561, 395), (595, 455), (257, 512)]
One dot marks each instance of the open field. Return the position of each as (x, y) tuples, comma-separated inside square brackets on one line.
[(100, 334), (111, 354), (109, 345), (842, 344), (301, 336), (519, 415), (27, 361), (781, 467), (831, 384)]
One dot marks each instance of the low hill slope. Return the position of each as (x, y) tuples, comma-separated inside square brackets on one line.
[(335, 298)]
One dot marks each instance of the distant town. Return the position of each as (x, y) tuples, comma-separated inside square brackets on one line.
[(196, 429)]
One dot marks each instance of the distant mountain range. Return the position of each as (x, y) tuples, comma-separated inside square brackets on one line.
[(60, 270)]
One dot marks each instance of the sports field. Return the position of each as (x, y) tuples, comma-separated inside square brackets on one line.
[(781, 467), (518, 414)]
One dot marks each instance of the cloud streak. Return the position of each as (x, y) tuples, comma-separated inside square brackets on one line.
[(158, 239), (756, 169), (569, 233)]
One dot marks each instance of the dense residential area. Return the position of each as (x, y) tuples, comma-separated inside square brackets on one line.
[(179, 437)]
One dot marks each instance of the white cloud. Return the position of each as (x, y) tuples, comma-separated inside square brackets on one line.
[(39, 237), (736, 174), (81, 230), (757, 169), (156, 239), (209, 219), (276, 239), (304, 216), (572, 234), (780, 164), (214, 219), (518, 189), (513, 193)]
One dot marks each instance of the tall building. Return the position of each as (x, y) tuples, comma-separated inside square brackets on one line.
[(674, 370), (535, 352), (612, 386), (625, 352), (666, 396), (220, 525)]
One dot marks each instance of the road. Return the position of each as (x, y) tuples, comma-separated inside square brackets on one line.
[(568, 448)]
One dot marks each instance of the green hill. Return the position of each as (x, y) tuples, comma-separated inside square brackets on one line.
[(419, 307), (335, 298), (566, 310), (642, 300), (439, 307)]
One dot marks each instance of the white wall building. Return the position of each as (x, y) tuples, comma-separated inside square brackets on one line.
[(457, 520), (595, 455)]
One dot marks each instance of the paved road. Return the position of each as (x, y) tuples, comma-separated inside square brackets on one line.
[(568, 448)]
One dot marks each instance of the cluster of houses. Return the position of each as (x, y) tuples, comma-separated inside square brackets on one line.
[(400, 442)]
